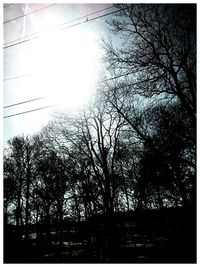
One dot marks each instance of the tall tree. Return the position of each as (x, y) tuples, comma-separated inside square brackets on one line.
[(152, 59), (18, 173), (94, 135), (157, 51)]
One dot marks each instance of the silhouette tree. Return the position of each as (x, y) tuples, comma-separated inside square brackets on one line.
[(171, 171), (152, 58), (10, 191), (14, 170), (156, 51), (91, 140), (18, 175)]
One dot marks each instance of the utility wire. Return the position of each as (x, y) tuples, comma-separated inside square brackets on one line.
[(29, 13), (67, 27), (7, 5), (43, 97), (59, 25), (25, 75), (17, 77), (27, 101), (16, 114), (35, 99), (32, 110), (30, 74)]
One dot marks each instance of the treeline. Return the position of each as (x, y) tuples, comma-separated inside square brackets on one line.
[(133, 147)]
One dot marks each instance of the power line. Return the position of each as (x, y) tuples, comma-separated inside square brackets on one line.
[(43, 97), (17, 77), (29, 74), (15, 104), (61, 24), (29, 13), (7, 5), (23, 102), (25, 75), (58, 25), (67, 27), (28, 111)]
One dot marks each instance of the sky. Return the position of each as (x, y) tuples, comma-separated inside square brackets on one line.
[(60, 63), (51, 51)]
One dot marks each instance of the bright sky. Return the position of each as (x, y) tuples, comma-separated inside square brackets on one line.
[(61, 63)]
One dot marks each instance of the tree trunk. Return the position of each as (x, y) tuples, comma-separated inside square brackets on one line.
[(27, 204)]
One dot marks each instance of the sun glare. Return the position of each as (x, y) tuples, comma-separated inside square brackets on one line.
[(65, 66)]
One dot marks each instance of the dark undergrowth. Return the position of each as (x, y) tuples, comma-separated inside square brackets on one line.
[(151, 236)]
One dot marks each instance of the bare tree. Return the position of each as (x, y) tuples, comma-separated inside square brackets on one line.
[(19, 168), (155, 51)]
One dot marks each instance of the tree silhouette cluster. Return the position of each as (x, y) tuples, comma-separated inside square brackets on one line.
[(133, 148)]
